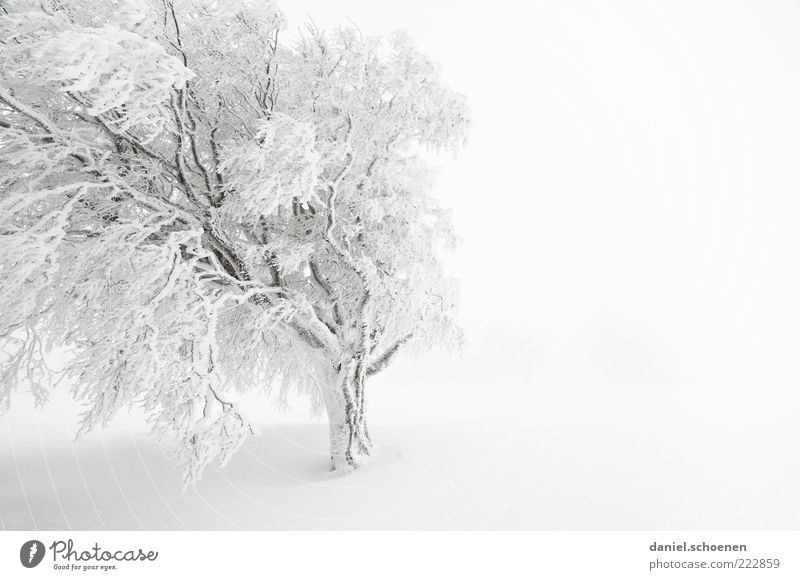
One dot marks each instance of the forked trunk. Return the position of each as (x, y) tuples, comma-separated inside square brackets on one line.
[(351, 447)]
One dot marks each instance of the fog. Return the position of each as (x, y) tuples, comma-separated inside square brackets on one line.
[(628, 198), (628, 202)]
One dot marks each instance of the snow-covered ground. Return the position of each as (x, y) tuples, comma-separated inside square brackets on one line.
[(556, 448)]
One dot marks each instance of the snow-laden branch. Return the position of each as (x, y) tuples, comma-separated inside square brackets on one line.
[(381, 361), (44, 123)]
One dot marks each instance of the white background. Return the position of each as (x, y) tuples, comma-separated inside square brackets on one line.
[(629, 201), (390, 555), (630, 193)]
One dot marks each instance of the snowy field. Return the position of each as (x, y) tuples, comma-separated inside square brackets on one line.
[(533, 451)]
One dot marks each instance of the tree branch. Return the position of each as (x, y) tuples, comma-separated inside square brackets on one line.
[(383, 360), (43, 122)]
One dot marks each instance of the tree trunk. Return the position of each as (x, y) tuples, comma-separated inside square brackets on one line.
[(351, 447)]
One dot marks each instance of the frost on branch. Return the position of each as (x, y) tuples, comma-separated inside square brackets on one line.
[(279, 165), (119, 75), (192, 210)]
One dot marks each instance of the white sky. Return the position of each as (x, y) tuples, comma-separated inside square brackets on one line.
[(629, 196)]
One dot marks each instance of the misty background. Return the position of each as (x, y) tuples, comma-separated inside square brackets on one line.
[(628, 201), (630, 192)]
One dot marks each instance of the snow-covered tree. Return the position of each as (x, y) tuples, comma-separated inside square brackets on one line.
[(192, 209)]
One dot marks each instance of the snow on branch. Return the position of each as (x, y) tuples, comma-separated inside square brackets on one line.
[(279, 166), (121, 76)]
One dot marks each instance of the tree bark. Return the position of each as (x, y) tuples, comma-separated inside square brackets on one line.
[(350, 445)]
